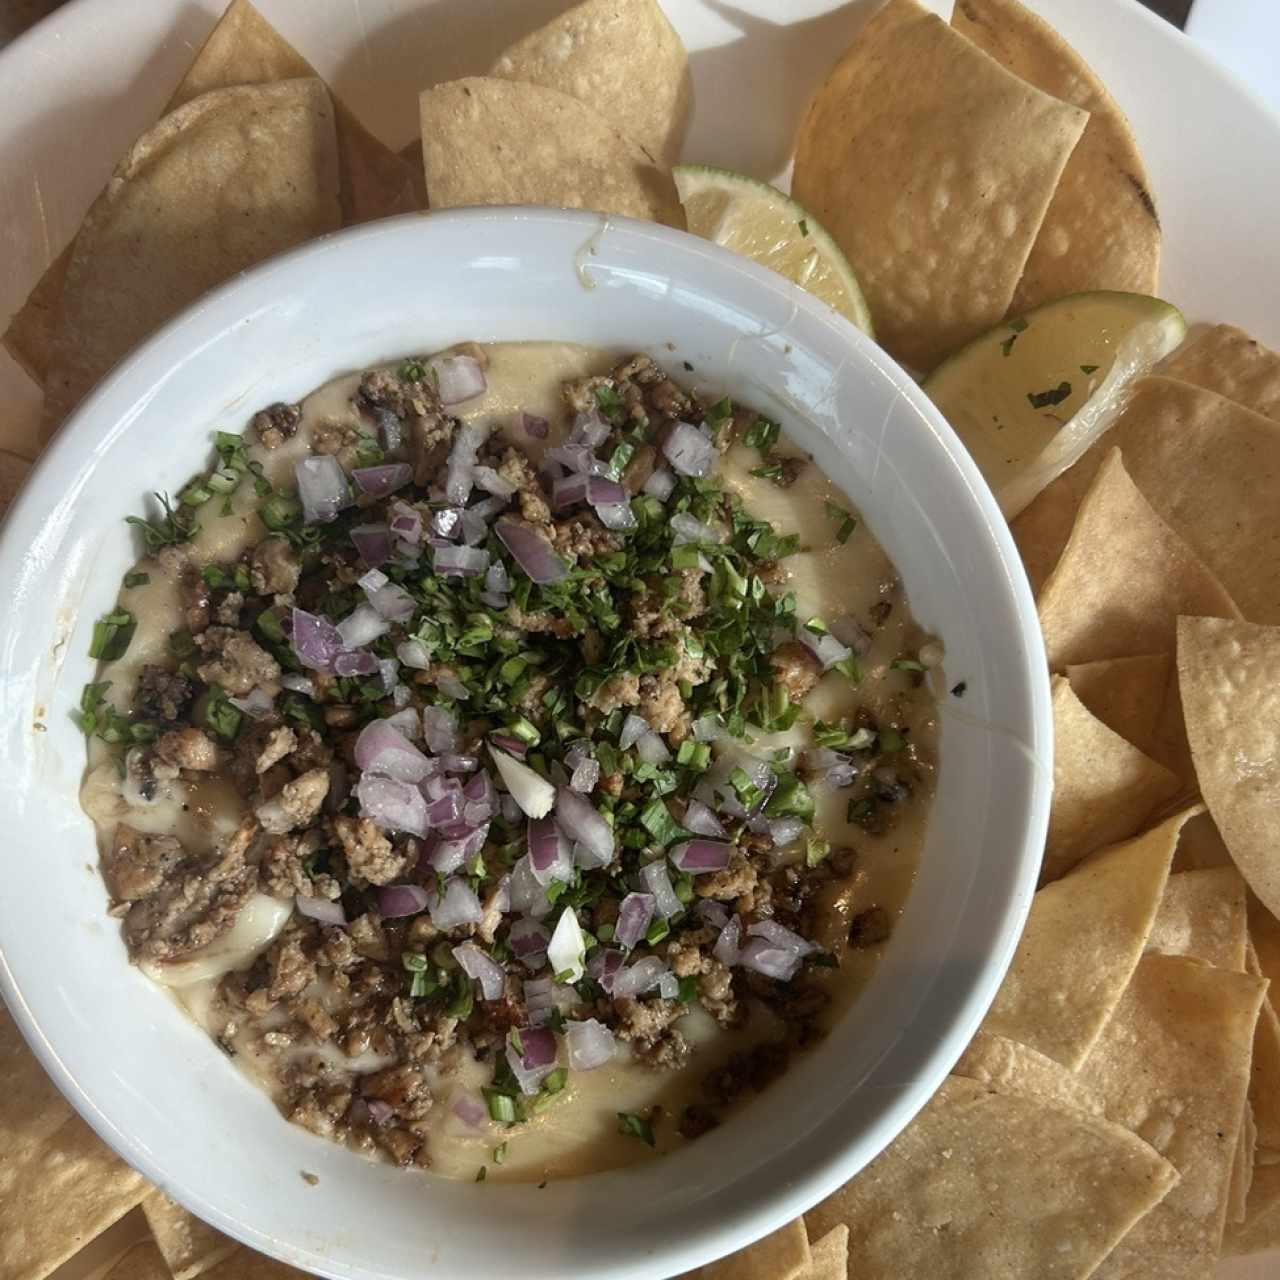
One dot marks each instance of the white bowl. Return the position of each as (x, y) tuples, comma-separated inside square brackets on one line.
[(160, 1092)]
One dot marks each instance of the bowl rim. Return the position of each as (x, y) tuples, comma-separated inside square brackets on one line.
[(819, 1177)]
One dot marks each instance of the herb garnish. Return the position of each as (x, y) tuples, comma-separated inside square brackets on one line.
[(636, 1127), (170, 528), (112, 634), (1046, 399)]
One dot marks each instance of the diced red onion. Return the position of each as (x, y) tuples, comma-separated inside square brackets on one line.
[(378, 482), (716, 914), (413, 653), (531, 551), (372, 580), (320, 909), (586, 773), (444, 811), (256, 704), (615, 515), (437, 785), (490, 481), (849, 631), (380, 1111), (496, 579), (583, 822), (355, 662), (689, 450), (383, 749), (709, 729), (603, 491), (513, 746), (470, 1110), (453, 853), (532, 792), (825, 647), (778, 935), (537, 1060), (474, 529), (322, 488), (589, 428), (567, 950), (390, 428), (440, 727), (315, 640), (590, 1045), (660, 484), (363, 625), (783, 831), (651, 748), (669, 986), (458, 378), (389, 670), (699, 819), (604, 966), (373, 543), (577, 458), (451, 686), (406, 722), (569, 491), (457, 905), (479, 789), (298, 684), (687, 529), (500, 898), (726, 949), (548, 851), (446, 523), (393, 602), (392, 805), (634, 727), (638, 978), (527, 895), (773, 962), (401, 695), (484, 969), (635, 914), (398, 900), (534, 427), (528, 939), (658, 882), (459, 562), (695, 857), (460, 472)]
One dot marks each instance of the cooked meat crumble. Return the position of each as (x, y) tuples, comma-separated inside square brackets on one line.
[(475, 703)]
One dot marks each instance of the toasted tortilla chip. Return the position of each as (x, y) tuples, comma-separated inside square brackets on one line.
[(580, 53), (222, 183), (496, 142), (1242, 1169), (782, 1255), (1123, 579), (932, 167), (830, 1256), (1227, 361), (1084, 936), (1202, 916), (142, 1262), (1200, 846), (1261, 1227), (1229, 674), (1264, 929), (981, 1184), (1264, 1087), (1009, 1067), (1173, 1066), (1209, 468), (1126, 694), (1100, 230), (244, 48), (190, 1247), (60, 1185), (1103, 787)]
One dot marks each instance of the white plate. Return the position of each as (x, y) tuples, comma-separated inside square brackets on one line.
[(77, 89)]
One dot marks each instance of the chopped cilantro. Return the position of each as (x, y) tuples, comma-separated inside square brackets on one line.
[(136, 579), (636, 1127), (816, 851), (804, 227), (112, 634), (891, 741), (959, 688), (412, 371), (500, 1153), (906, 664), (762, 434), (1046, 399), (688, 990), (657, 821), (482, 1173), (1006, 347), (1088, 368), (1019, 325), (219, 714), (790, 798), (847, 524)]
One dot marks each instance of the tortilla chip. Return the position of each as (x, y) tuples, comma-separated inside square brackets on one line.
[(1100, 230), (981, 1183), (1009, 1067), (580, 53), (496, 142), (1104, 789), (782, 1255), (1173, 1066), (60, 1185), (830, 1256), (1227, 361), (1241, 1178), (1261, 1227), (1202, 916), (932, 167), (1083, 938), (190, 1247), (1200, 846), (1230, 680), (1123, 579), (227, 180), (1264, 1087), (142, 1262), (1126, 694), (13, 475), (244, 48), (1209, 468), (1264, 929)]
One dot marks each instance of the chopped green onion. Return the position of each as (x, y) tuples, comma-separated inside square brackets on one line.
[(636, 1127), (112, 634)]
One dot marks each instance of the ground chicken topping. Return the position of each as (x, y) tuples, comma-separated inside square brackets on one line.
[(494, 714)]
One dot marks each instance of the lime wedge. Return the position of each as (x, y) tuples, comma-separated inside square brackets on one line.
[(1031, 395), (758, 221)]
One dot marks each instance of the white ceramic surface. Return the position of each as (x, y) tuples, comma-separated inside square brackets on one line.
[(158, 1089)]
